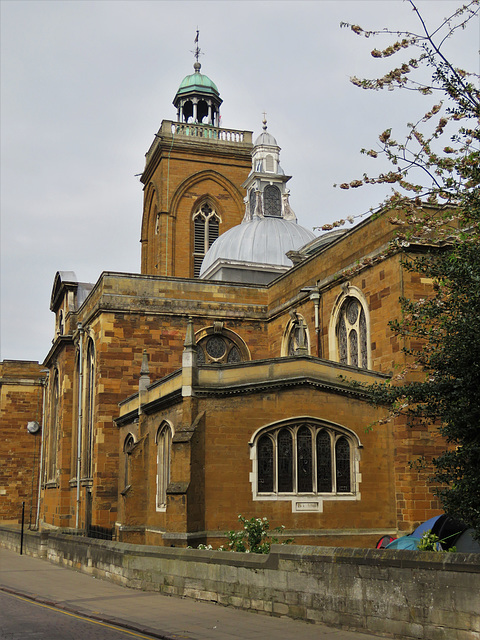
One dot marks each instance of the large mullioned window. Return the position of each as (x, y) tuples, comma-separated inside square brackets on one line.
[(304, 458), (206, 228)]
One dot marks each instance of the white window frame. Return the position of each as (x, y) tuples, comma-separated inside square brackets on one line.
[(348, 291), (308, 501)]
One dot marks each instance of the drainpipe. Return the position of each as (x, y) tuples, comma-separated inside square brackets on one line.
[(40, 472), (315, 297), (79, 423)]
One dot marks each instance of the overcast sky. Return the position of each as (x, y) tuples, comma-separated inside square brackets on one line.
[(84, 88)]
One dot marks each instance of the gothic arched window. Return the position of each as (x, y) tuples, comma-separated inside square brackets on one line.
[(164, 444), (206, 228), (352, 334), (295, 339), (89, 404), (51, 465), (128, 446), (349, 329), (272, 201), (218, 345), (304, 458)]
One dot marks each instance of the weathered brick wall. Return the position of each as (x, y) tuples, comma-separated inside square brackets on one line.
[(181, 173), (382, 283), (403, 594), (21, 400), (212, 457)]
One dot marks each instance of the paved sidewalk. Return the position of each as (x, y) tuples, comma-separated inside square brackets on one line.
[(150, 613)]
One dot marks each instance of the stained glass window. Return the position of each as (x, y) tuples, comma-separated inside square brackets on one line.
[(265, 464), (352, 339), (218, 349), (324, 462), (363, 340), (304, 458), (285, 461), (342, 459)]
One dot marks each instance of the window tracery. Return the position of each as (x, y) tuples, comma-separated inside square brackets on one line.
[(217, 345), (206, 229), (352, 334), (349, 330), (304, 458)]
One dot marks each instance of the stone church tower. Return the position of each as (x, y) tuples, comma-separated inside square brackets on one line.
[(193, 175)]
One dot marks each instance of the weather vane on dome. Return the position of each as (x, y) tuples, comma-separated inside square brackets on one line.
[(264, 120), (197, 52)]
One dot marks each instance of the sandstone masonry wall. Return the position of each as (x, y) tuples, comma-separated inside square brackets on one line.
[(405, 594)]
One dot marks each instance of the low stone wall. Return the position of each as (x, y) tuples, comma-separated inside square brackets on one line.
[(406, 594)]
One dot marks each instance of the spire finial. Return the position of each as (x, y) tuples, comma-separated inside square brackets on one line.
[(264, 120), (197, 52)]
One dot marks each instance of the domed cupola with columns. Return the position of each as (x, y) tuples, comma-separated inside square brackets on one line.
[(255, 250), (197, 100)]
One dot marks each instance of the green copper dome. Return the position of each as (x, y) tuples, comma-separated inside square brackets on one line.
[(197, 99), (197, 83)]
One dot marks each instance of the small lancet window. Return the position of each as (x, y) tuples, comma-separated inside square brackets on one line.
[(164, 444), (128, 447)]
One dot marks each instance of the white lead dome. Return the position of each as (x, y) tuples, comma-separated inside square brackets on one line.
[(261, 241), (255, 250)]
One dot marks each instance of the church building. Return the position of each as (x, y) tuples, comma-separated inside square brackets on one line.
[(217, 381)]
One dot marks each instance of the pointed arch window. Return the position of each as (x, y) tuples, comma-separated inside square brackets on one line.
[(206, 229), (88, 424), (164, 445), (218, 345), (128, 447), (349, 329), (352, 333), (304, 458), (51, 465), (295, 338)]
